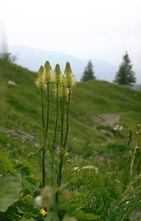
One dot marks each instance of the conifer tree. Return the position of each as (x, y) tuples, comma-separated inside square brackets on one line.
[(125, 75), (88, 73)]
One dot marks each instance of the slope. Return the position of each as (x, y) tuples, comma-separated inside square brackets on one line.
[(96, 107)]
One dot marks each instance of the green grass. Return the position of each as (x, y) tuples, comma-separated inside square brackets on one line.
[(96, 106)]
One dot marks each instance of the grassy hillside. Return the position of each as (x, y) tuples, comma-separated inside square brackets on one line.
[(96, 107)]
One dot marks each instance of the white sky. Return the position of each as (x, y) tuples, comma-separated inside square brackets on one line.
[(102, 29)]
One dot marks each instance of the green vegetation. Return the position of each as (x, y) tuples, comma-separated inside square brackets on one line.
[(93, 103), (94, 175)]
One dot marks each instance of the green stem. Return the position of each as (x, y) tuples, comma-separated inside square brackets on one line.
[(62, 121), (56, 124), (59, 176), (47, 120), (127, 174), (45, 137), (61, 155), (60, 170), (43, 152), (55, 130), (42, 105), (139, 153), (43, 169), (139, 162), (115, 156), (132, 163), (67, 127)]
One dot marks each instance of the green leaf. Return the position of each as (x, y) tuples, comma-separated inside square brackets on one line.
[(2, 166), (24, 219), (106, 195), (95, 182), (91, 216), (75, 195), (28, 185), (80, 214), (10, 185), (71, 206), (8, 164), (115, 193), (2, 154), (27, 164), (51, 216)]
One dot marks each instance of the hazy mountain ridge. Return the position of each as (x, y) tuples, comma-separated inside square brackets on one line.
[(32, 59)]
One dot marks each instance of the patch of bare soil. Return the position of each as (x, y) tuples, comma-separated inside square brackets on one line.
[(106, 119), (23, 136)]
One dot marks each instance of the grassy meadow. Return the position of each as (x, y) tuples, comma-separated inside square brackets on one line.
[(96, 107)]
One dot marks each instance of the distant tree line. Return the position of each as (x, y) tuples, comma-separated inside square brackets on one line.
[(124, 76), (8, 57)]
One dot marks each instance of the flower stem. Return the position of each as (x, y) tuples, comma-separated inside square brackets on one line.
[(67, 127), (59, 176), (127, 171), (45, 137), (115, 156), (42, 105), (55, 130), (43, 152), (47, 120), (56, 123), (62, 121), (138, 152)]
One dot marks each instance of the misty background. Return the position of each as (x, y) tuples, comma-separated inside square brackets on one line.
[(75, 31)]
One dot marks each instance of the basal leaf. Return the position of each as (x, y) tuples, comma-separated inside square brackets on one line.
[(24, 219), (91, 216), (10, 185), (51, 216), (80, 214)]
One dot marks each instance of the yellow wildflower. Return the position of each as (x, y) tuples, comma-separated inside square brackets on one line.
[(69, 160), (66, 153), (43, 212)]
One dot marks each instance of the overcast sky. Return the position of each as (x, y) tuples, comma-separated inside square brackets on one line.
[(101, 29)]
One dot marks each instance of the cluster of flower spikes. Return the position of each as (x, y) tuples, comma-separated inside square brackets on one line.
[(64, 82)]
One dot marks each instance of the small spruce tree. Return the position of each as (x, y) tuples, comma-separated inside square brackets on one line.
[(125, 75), (88, 73)]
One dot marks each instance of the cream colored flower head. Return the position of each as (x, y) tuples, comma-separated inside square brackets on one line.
[(40, 79), (70, 79), (48, 73), (57, 74), (63, 90)]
